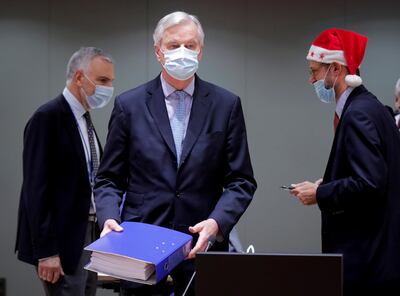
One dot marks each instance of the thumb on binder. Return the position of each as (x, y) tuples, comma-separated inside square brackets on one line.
[(110, 225)]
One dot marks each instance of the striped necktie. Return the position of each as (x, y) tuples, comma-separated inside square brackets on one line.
[(178, 123), (94, 160)]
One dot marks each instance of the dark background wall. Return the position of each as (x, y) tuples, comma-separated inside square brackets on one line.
[(256, 49)]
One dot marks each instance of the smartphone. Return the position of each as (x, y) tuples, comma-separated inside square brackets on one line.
[(287, 187)]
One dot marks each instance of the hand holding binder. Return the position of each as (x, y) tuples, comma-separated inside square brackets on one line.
[(206, 229), (110, 225), (141, 253)]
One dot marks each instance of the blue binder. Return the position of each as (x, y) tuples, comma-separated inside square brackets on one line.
[(162, 247)]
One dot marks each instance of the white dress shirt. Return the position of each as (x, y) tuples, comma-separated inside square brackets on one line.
[(397, 118), (78, 110)]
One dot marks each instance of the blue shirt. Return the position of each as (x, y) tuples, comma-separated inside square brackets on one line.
[(342, 101), (171, 100)]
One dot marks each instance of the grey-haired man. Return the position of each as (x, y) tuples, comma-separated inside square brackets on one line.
[(61, 155), (177, 147)]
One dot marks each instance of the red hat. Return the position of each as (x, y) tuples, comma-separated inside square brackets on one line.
[(341, 46)]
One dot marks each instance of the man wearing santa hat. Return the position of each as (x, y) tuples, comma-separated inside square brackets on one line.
[(359, 195)]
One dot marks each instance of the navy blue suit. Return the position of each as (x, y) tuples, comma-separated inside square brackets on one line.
[(360, 194), (214, 179), (56, 193)]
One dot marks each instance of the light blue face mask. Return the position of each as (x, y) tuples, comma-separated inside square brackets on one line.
[(181, 63), (326, 95), (101, 96)]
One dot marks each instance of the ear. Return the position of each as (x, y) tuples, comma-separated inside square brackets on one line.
[(78, 77), (200, 55), (158, 53), (336, 67)]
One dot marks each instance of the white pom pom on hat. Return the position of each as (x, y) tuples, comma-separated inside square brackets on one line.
[(353, 80), (341, 46)]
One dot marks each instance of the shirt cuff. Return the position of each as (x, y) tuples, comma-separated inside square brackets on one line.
[(42, 259)]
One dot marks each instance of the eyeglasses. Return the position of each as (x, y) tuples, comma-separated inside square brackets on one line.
[(313, 72)]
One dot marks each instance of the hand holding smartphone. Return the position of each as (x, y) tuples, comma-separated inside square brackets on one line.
[(287, 187)]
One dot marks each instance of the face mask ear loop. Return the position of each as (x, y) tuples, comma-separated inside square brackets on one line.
[(89, 80), (327, 71), (337, 76), (334, 83)]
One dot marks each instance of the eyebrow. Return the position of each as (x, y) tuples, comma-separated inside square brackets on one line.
[(194, 40)]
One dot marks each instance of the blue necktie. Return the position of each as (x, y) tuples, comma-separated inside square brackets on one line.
[(178, 123)]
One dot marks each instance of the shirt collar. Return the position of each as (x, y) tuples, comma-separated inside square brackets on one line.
[(73, 102), (342, 101), (168, 89)]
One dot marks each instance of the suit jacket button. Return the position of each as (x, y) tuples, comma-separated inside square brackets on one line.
[(178, 195)]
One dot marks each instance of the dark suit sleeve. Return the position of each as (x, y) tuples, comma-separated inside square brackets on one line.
[(365, 163), (111, 179), (239, 182), (37, 198)]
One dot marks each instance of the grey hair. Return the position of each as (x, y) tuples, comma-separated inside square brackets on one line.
[(82, 58), (173, 19), (397, 89)]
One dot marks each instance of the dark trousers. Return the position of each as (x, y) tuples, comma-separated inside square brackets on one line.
[(80, 283), (180, 276)]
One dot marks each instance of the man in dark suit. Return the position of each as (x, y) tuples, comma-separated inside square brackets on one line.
[(359, 195), (61, 154), (177, 146)]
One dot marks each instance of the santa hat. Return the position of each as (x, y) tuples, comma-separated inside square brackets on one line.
[(341, 46)]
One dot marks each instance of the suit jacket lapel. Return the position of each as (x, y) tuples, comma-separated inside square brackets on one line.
[(157, 108), (351, 97), (99, 143), (72, 129), (198, 114)]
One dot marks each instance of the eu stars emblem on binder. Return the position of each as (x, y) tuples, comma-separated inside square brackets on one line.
[(142, 253)]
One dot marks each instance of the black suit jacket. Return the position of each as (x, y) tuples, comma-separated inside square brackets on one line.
[(214, 179), (360, 194), (55, 196)]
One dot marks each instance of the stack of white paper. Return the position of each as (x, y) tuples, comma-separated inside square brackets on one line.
[(123, 267)]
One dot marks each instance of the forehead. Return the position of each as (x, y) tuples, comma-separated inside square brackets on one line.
[(186, 31), (100, 65)]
